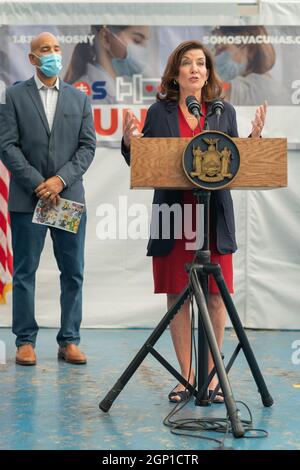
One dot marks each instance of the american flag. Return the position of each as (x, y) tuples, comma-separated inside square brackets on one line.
[(5, 236)]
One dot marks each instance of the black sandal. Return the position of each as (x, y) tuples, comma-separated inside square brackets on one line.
[(219, 394), (184, 395)]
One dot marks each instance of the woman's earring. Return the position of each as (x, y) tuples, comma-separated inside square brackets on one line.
[(174, 81), (205, 82)]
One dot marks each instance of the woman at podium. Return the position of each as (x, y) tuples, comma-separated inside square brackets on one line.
[(190, 70)]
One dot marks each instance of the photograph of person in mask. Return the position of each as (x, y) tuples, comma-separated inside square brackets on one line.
[(116, 51), (246, 69)]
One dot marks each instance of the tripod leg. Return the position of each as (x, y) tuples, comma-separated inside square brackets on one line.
[(232, 410), (202, 398), (240, 332), (110, 397)]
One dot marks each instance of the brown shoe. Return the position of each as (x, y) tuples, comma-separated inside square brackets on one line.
[(25, 355), (72, 354)]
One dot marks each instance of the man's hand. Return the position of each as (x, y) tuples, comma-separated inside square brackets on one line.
[(56, 200), (49, 190)]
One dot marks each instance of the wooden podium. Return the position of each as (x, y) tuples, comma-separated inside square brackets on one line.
[(156, 163)]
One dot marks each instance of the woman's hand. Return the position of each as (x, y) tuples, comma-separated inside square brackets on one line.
[(259, 120), (130, 128)]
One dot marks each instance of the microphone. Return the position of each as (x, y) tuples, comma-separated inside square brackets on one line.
[(193, 106), (217, 107)]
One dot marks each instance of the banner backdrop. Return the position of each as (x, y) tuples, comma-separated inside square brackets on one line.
[(255, 63), (120, 67)]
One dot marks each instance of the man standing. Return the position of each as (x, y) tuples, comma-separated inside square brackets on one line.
[(48, 142)]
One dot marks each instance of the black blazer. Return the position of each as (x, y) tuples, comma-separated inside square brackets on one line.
[(162, 121)]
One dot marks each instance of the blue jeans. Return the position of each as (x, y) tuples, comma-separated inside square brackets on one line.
[(28, 241)]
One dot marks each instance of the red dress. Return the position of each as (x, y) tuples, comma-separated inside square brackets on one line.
[(169, 274)]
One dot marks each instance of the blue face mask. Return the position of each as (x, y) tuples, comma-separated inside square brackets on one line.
[(50, 65), (133, 63), (227, 68)]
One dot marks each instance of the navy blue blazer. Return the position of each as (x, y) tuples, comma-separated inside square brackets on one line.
[(162, 121), (32, 153)]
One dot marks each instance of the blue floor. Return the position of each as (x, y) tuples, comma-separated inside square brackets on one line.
[(55, 405)]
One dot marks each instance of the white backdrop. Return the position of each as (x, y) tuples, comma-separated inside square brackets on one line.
[(118, 280), (118, 277)]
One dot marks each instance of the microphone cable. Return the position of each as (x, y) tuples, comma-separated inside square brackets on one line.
[(195, 427)]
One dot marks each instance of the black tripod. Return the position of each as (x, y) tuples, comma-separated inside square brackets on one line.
[(199, 271)]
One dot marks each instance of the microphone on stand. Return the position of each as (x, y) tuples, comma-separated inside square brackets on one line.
[(194, 107), (217, 108)]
